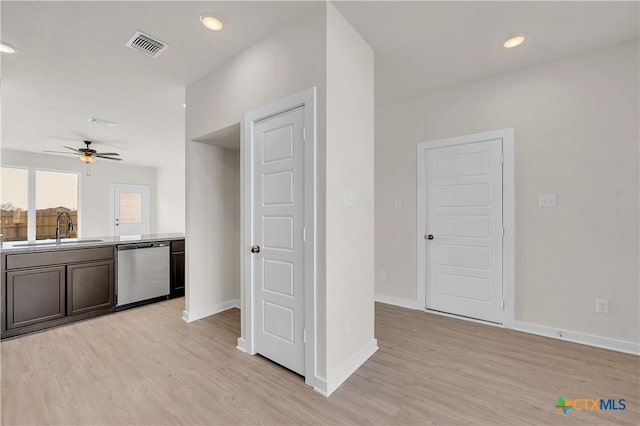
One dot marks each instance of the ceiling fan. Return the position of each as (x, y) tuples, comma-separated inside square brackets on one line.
[(88, 155)]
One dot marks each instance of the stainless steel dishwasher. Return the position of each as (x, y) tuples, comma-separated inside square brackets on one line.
[(143, 273)]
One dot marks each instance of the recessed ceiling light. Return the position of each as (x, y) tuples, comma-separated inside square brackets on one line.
[(514, 41), (183, 105), (5, 48), (214, 23)]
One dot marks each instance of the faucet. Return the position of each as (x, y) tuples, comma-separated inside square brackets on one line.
[(69, 226)]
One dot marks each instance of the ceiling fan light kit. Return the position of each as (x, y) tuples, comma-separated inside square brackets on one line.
[(88, 155)]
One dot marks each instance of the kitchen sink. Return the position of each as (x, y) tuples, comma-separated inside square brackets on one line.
[(53, 243)]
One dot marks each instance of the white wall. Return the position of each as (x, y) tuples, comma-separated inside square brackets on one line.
[(170, 183), (349, 167), (287, 61), (170, 191), (232, 219), (212, 271), (322, 51), (95, 190), (576, 135)]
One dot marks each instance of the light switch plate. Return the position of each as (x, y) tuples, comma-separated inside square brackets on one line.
[(548, 201), (397, 204), (348, 198)]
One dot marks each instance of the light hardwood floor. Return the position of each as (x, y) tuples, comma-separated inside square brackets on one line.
[(147, 366)]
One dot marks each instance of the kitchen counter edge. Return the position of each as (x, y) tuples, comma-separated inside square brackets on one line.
[(104, 241)]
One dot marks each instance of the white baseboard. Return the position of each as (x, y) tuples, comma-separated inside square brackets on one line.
[(243, 345), (396, 301), (202, 313), (320, 386), (334, 380), (540, 330), (581, 338)]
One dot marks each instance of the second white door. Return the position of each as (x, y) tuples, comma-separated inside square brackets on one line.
[(131, 209), (278, 226), (464, 230)]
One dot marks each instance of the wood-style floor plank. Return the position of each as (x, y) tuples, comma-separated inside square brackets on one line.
[(147, 366)]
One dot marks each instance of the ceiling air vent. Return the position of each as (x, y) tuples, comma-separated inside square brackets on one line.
[(146, 44)]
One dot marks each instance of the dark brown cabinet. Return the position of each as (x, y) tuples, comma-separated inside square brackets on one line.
[(34, 296), (47, 288), (177, 269), (89, 287)]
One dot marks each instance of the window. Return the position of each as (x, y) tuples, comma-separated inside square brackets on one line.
[(14, 196), (31, 201), (55, 192), (130, 207)]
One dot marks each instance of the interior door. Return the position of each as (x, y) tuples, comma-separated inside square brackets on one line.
[(278, 222), (464, 230), (131, 209)]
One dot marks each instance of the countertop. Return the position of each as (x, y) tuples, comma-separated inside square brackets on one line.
[(72, 243)]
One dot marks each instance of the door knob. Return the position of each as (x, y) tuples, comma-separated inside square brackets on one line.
[(429, 237), (255, 249)]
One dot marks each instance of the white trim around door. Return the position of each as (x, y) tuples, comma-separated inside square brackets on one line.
[(508, 213), (246, 343)]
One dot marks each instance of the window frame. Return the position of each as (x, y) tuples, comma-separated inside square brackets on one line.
[(31, 197)]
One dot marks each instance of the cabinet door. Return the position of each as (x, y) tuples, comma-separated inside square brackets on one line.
[(177, 274), (35, 295), (90, 286)]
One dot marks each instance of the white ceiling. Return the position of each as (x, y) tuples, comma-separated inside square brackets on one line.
[(72, 63), (422, 47)]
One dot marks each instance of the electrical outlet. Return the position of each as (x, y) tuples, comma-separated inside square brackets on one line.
[(559, 333), (384, 275), (547, 201), (602, 306)]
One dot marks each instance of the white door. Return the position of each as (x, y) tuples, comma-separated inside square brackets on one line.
[(278, 222), (131, 209), (464, 230)]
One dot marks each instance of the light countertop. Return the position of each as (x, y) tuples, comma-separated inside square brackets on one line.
[(71, 243)]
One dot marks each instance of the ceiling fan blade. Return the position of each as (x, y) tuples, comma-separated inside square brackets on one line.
[(107, 153), (61, 152), (72, 149), (108, 158)]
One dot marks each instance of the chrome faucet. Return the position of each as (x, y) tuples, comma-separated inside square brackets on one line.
[(69, 226)]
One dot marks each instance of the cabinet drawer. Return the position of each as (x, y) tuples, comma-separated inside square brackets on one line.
[(56, 257), (177, 245)]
